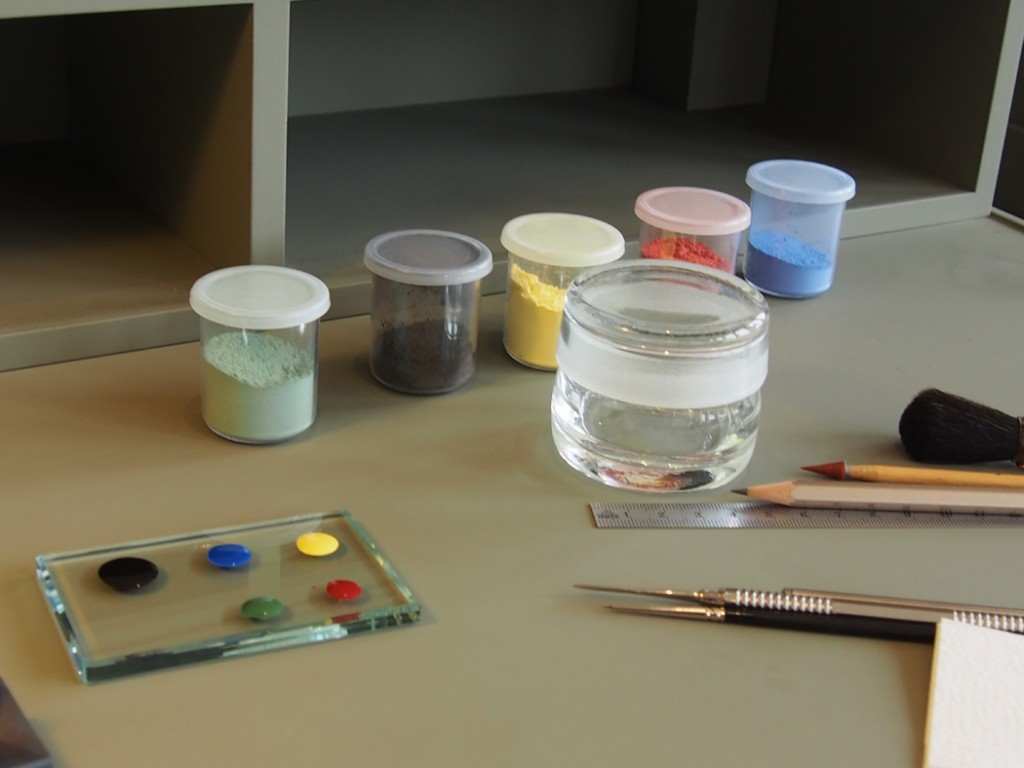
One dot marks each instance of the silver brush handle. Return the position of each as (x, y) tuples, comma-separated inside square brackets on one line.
[(778, 601)]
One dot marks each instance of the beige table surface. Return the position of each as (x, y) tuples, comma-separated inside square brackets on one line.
[(510, 666)]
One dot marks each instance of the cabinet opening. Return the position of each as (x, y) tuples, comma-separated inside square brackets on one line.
[(125, 152), (460, 116)]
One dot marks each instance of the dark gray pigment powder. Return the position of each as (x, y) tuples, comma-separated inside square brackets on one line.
[(425, 357)]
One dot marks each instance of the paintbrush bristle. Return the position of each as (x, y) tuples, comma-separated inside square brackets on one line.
[(940, 428)]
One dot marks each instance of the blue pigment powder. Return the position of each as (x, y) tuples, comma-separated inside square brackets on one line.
[(783, 265)]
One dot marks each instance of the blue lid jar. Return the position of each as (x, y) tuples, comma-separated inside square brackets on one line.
[(796, 210)]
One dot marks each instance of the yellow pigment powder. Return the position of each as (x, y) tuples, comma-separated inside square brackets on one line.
[(533, 318)]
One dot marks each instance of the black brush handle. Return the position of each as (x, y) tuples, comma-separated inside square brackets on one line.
[(833, 624)]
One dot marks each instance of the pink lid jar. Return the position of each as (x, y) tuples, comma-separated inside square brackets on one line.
[(690, 224)]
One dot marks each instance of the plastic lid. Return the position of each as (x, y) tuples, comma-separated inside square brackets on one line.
[(801, 181), (693, 211), (563, 239), (428, 257), (259, 297)]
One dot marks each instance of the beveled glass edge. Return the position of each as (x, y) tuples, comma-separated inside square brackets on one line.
[(202, 534), (60, 616), (382, 561), (229, 646)]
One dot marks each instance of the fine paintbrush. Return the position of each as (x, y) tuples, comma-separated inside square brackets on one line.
[(773, 610), (835, 613), (830, 603), (940, 428), (878, 473), (856, 626)]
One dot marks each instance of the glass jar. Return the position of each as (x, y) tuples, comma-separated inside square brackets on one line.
[(425, 308), (699, 226), (545, 252), (660, 368), (258, 330), (796, 216)]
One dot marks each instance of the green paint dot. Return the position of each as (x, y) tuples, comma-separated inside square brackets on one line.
[(262, 608)]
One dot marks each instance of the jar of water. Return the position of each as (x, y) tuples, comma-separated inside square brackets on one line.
[(660, 369)]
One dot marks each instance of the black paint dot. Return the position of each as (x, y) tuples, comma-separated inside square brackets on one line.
[(127, 574)]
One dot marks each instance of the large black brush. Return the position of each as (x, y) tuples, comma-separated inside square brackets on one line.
[(940, 428)]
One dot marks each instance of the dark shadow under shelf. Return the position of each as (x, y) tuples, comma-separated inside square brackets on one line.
[(77, 250), (86, 269)]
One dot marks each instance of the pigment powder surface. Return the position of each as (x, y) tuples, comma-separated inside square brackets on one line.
[(423, 357), (257, 387), (534, 318), (684, 249), (786, 266)]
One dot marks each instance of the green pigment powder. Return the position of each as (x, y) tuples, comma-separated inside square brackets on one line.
[(257, 387)]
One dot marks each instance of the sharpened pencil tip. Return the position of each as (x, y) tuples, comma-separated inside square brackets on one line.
[(740, 491), (835, 469)]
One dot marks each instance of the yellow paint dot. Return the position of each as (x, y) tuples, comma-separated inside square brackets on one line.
[(316, 544)]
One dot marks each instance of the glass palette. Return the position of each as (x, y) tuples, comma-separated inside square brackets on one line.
[(192, 611)]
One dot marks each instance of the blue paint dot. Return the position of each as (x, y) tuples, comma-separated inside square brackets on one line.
[(229, 555)]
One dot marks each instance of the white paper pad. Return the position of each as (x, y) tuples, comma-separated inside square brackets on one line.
[(976, 703)]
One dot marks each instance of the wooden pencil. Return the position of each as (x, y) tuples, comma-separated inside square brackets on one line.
[(878, 473), (908, 497)]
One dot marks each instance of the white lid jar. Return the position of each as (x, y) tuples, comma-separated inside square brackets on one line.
[(545, 252), (797, 211), (258, 332)]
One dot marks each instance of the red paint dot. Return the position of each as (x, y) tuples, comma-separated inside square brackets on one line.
[(343, 589)]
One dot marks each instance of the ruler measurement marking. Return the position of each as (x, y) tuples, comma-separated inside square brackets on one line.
[(765, 515)]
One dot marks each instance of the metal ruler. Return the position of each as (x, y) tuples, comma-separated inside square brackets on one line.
[(763, 514)]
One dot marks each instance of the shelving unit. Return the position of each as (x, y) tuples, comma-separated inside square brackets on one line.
[(125, 153), (149, 142)]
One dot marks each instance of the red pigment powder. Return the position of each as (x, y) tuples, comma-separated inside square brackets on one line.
[(684, 249)]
